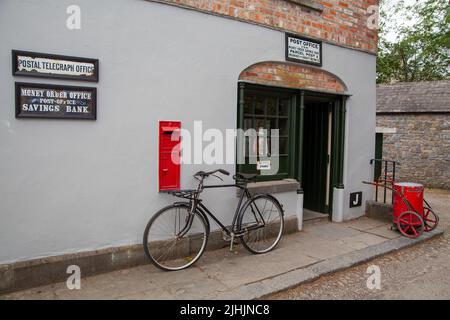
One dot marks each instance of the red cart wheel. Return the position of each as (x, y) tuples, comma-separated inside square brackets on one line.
[(430, 219), (410, 224)]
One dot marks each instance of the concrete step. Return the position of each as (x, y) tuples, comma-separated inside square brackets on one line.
[(312, 217)]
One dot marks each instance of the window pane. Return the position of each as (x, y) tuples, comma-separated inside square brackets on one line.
[(284, 108), (251, 147), (283, 145), (263, 146), (283, 165), (259, 106), (260, 123), (283, 125), (248, 105), (272, 107), (248, 123), (272, 124)]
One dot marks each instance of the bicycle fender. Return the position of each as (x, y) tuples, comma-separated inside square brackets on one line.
[(181, 204)]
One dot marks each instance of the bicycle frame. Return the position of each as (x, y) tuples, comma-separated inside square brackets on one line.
[(198, 205)]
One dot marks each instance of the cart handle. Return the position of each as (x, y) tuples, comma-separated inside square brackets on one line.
[(401, 195), (380, 185)]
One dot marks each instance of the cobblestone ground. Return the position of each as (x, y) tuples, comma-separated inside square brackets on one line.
[(419, 272)]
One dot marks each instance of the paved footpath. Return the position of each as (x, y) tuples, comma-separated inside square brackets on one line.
[(419, 272), (323, 247)]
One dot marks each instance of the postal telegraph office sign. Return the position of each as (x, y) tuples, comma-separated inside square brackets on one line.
[(303, 50), (55, 101), (25, 63)]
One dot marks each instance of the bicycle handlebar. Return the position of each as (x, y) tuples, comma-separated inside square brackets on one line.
[(207, 174)]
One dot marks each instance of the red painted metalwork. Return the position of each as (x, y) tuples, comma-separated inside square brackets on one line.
[(410, 224), (413, 193), (169, 155), (430, 219)]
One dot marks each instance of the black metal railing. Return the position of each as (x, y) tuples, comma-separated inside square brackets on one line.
[(384, 175)]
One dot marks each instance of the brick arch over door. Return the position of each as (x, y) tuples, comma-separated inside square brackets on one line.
[(289, 75)]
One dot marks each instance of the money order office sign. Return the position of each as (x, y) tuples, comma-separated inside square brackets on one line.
[(303, 50), (35, 100)]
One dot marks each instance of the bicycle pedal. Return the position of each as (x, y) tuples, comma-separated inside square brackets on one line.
[(226, 237), (232, 242)]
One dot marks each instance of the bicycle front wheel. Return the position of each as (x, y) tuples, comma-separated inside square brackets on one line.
[(262, 223), (175, 239)]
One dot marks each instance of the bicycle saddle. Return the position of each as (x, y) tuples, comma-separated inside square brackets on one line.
[(245, 177)]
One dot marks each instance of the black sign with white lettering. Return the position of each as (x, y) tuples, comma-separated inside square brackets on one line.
[(56, 102), (303, 50), (355, 199), (44, 65)]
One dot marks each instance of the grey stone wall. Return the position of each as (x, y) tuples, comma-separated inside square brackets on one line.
[(421, 144)]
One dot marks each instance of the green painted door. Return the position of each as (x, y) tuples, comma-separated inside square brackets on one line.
[(378, 154), (316, 157)]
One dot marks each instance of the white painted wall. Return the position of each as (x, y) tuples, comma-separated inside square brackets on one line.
[(69, 186)]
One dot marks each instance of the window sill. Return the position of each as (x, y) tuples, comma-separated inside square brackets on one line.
[(272, 187), (310, 4)]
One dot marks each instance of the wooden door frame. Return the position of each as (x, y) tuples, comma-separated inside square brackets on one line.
[(338, 109), (338, 131)]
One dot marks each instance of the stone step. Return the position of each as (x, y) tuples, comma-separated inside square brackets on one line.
[(312, 217)]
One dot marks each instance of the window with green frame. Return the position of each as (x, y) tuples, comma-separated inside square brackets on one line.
[(268, 109)]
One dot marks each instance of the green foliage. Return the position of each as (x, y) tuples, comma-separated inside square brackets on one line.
[(421, 52)]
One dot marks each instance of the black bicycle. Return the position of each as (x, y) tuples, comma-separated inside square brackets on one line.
[(177, 235)]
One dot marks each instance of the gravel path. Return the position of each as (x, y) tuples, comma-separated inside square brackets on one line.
[(419, 272)]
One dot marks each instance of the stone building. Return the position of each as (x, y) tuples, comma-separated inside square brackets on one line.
[(414, 121), (85, 183)]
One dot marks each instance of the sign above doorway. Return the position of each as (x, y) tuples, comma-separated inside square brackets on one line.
[(303, 50)]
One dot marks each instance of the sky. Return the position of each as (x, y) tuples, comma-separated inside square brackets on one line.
[(399, 19)]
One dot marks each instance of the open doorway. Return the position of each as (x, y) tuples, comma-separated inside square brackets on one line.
[(311, 133), (316, 158)]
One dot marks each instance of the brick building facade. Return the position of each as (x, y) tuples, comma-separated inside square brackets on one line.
[(339, 22), (293, 76), (418, 115)]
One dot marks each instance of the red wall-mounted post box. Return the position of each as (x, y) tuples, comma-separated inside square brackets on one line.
[(169, 155)]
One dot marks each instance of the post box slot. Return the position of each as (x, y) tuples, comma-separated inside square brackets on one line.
[(169, 130)]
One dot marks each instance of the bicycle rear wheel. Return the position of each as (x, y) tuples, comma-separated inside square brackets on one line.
[(174, 239), (263, 224)]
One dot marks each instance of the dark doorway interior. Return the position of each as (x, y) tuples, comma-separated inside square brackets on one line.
[(316, 155)]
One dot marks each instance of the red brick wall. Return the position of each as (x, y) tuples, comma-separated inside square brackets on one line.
[(293, 76), (342, 22)]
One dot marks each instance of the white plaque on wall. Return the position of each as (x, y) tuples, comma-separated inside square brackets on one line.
[(303, 50)]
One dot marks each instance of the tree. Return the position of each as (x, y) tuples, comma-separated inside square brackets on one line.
[(421, 52)]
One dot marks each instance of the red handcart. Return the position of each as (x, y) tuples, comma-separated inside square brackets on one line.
[(412, 214)]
